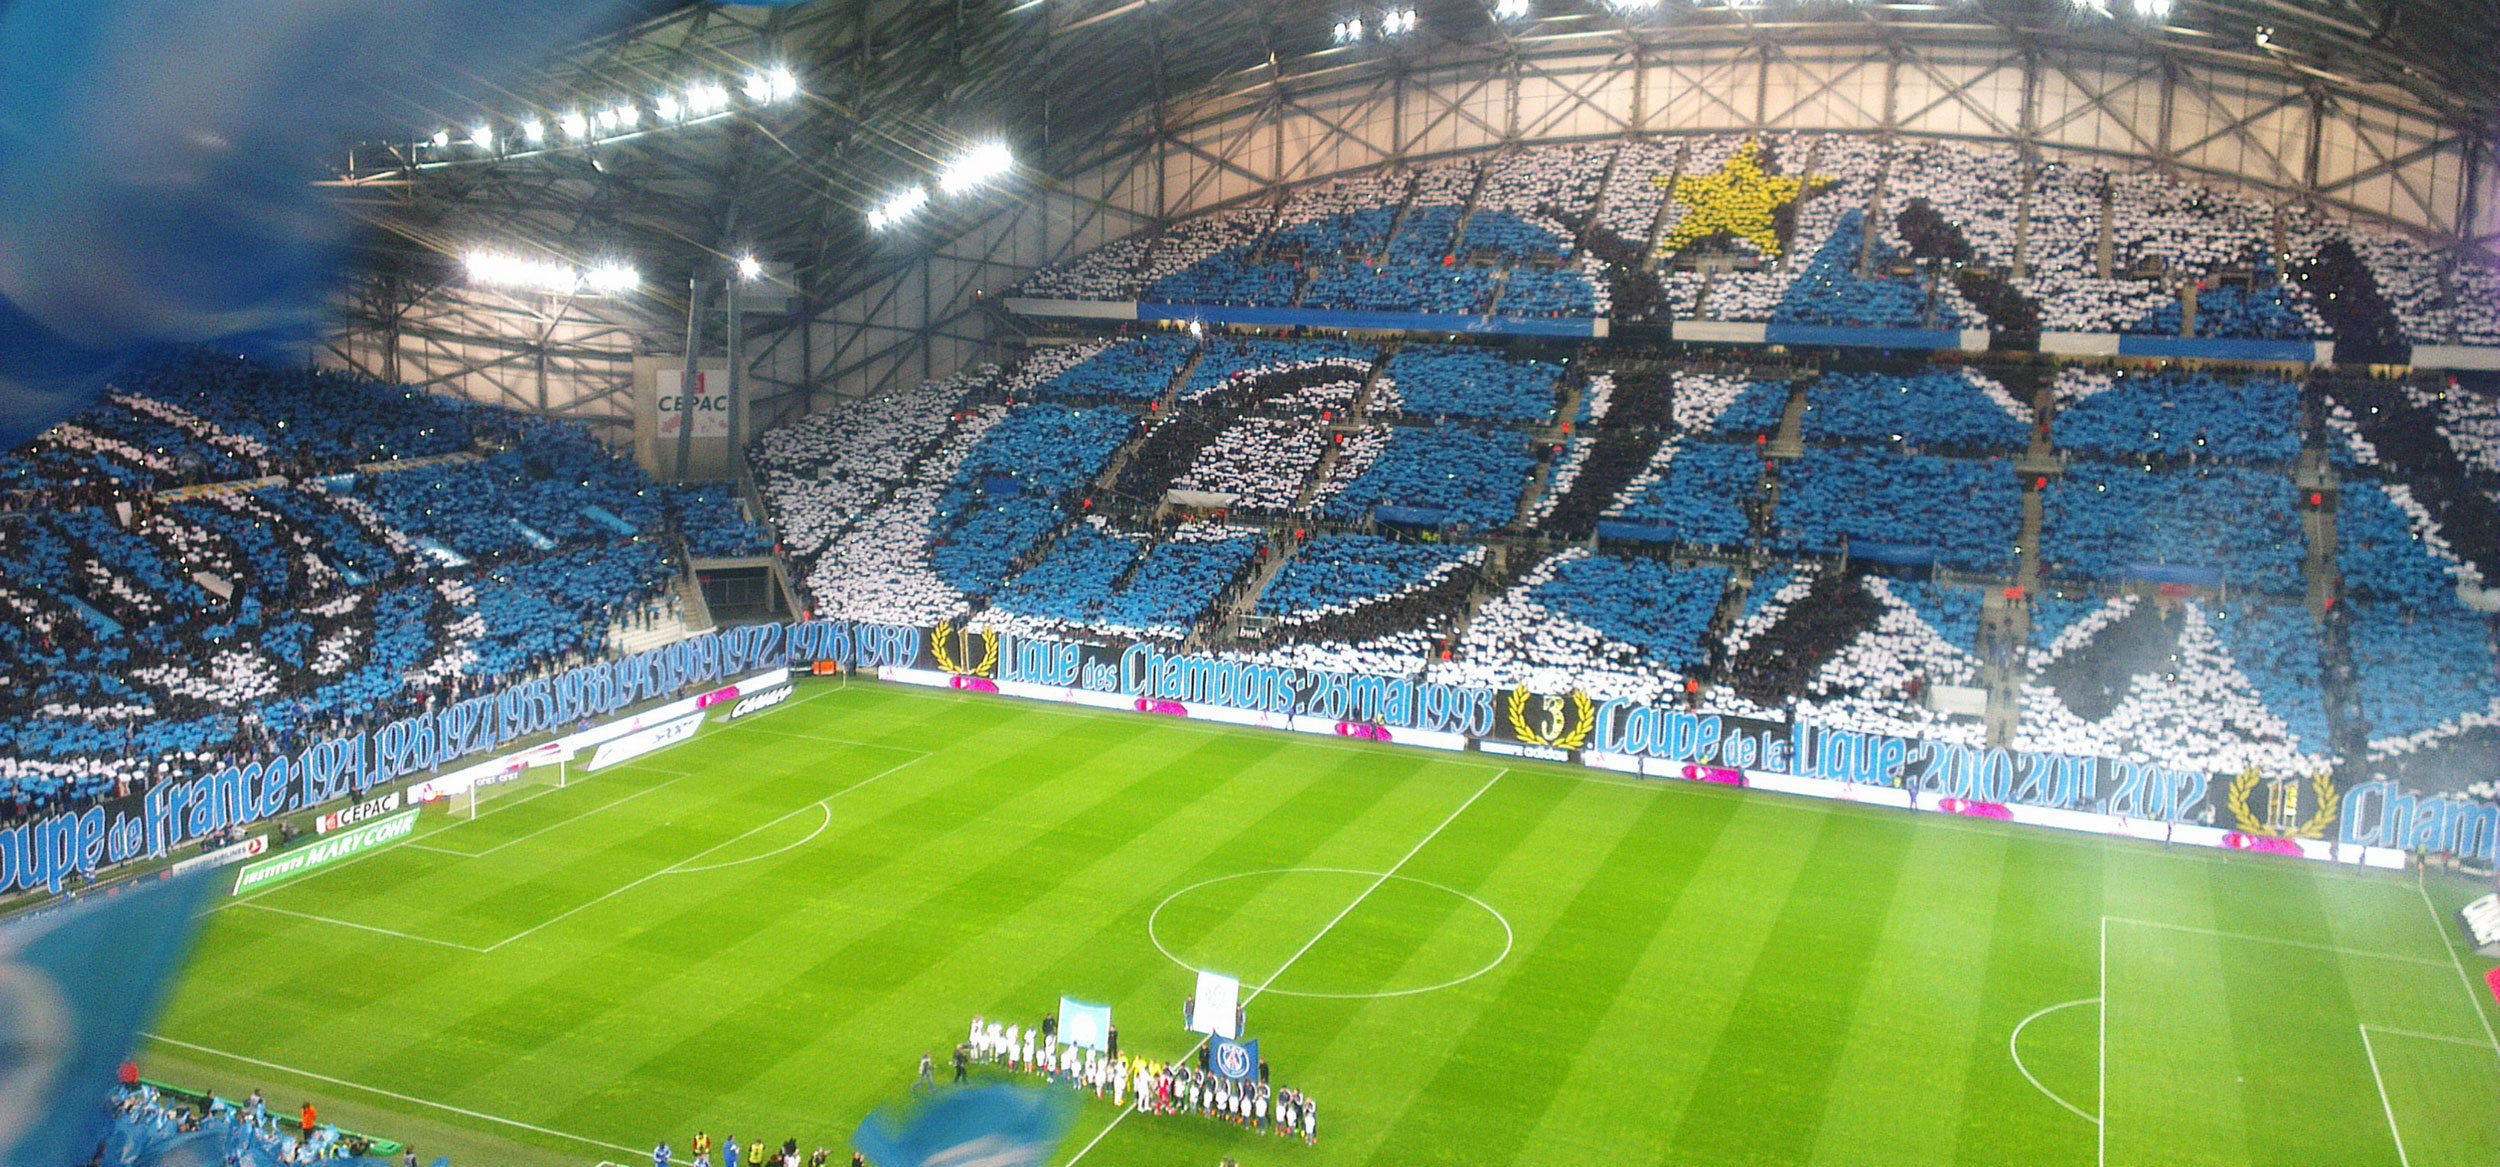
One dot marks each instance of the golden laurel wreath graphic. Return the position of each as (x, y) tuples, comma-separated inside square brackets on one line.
[(1583, 720), (2330, 803), (942, 644)]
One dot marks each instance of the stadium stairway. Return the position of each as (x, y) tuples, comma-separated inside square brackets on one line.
[(1790, 441), (665, 626), (1521, 519), (1597, 206), (1283, 544), (2313, 475), (1361, 407), (2004, 628), (1648, 242)]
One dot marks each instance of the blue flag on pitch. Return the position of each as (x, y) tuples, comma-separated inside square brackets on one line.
[(1237, 1060), (984, 1126), (75, 986)]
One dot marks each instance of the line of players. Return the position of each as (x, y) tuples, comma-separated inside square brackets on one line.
[(1153, 1087)]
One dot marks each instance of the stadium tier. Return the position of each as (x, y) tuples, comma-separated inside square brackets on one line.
[(1817, 546), (1808, 230), (222, 559)]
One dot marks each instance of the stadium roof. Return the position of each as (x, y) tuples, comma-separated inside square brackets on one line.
[(894, 86)]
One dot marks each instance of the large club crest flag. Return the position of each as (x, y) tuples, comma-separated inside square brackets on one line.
[(984, 1126), (1084, 1026), (75, 986), (1236, 1060)]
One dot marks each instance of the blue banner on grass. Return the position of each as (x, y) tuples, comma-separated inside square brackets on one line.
[(993, 1126)]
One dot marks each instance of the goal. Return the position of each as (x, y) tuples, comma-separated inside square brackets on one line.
[(529, 776)]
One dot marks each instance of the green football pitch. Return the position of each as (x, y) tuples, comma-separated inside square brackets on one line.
[(1465, 962)]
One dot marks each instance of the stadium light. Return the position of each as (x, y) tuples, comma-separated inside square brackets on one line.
[(533, 131), (705, 98), (750, 268), (482, 136), (1510, 9), (985, 162), (899, 207), (665, 108), (628, 115), (772, 86), (2152, 9), (519, 273), (1397, 22), (440, 140), (610, 279), (1631, 6), (576, 127), (1349, 32), (785, 84)]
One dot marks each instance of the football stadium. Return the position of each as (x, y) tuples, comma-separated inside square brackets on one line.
[(1250, 583)]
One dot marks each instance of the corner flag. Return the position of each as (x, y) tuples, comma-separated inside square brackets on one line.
[(984, 1126), (75, 986)]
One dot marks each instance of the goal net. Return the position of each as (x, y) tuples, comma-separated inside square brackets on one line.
[(529, 776)]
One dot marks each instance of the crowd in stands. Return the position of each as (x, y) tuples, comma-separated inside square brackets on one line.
[(1137, 369), (1935, 410), (1424, 381), (199, 418), (1830, 289), (340, 585), (1229, 361), (2183, 416), (2110, 522), (1333, 575), (2421, 674), (1094, 579), (1694, 492), (2169, 681), (2387, 547), (1756, 409), (1608, 625), (1262, 462), (1935, 250), (1010, 489), (2206, 683), (714, 521), (825, 470), (1450, 475), (1918, 508)]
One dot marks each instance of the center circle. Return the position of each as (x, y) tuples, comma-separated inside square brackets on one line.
[(1297, 910)]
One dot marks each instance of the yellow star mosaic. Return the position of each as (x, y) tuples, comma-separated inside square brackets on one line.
[(1739, 199)]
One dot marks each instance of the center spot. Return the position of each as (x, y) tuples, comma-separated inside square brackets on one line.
[(1407, 936)]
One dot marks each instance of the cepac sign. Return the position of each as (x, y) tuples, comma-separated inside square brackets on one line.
[(704, 396), (368, 809)]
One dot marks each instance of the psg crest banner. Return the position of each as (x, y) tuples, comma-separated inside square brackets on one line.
[(1234, 1060)]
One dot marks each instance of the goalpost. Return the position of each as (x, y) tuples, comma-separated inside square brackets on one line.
[(540, 770)]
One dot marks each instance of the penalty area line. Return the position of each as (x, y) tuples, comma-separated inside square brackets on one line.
[(393, 1095)]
